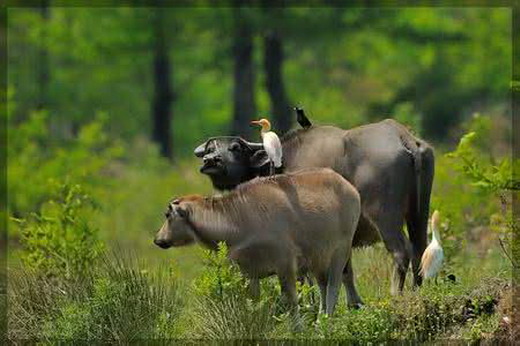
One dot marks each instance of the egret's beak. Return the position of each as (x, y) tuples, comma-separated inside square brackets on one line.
[(256, 122)]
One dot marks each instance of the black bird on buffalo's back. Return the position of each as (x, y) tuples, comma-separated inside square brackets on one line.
[(301, 118)]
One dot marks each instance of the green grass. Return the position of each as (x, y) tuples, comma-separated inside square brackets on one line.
[(127, 299), (137, 291), (121, 300)]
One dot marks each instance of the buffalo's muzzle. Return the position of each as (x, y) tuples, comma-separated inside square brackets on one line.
[(162, 243), (211, 159), (212, 164)]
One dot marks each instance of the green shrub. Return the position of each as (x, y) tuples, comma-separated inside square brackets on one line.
[(472, 190), (221, 278), (37, 155), (493, 177), (59, 241)]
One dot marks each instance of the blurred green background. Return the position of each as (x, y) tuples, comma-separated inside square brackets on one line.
[(107, 104), (429, 67)]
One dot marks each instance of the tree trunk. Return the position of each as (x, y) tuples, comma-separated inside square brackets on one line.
[(43, 59), (273, 68), (244, 107), (163, 94)]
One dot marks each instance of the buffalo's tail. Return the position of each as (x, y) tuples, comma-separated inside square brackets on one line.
[(417, 216)]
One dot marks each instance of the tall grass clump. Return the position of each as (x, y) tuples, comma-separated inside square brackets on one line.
[(119, 300)]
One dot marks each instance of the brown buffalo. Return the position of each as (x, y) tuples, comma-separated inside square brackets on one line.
[(275, 225)]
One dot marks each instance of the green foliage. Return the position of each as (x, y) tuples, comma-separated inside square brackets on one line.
[(371, 325), (220, 278), (358, 62), (496, 179), (485, 175), (59, 241), (405, 114), (35, 156)]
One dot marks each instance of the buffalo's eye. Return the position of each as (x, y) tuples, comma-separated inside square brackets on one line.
[(166, 214), (234, 147), (210, 148)]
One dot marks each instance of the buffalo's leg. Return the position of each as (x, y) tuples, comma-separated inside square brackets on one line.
[(335, 273), (310, 282), (287, 277), (353, 298), (390, 225), (402, 262), (322, 283), (417, 251), (288, 285), (254, 288)]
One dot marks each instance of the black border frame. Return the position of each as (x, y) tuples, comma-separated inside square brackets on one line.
[(515, 99)]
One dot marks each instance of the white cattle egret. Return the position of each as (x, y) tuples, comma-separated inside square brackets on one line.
[(432, 257), (272, 145)]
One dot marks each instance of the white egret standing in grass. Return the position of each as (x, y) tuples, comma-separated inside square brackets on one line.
[(433, 256), (272, 144)]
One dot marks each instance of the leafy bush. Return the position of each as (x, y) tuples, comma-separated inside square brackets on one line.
[(59, 241), (469, 189), (495, 178), (220, 278)]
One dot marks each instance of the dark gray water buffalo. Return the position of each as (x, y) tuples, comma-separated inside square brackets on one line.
[(392, 170)]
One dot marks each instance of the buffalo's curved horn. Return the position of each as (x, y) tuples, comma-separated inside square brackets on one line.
[(200, 151), (254, 146)]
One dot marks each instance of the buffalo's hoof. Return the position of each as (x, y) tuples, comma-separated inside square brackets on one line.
[(356, 306)]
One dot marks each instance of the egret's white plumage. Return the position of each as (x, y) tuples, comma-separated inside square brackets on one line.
[(272, 144), (273, 147), (433, 256)]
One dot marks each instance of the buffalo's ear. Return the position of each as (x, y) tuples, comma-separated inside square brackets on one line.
[(183, 213), (200, 151), (259, 159)]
